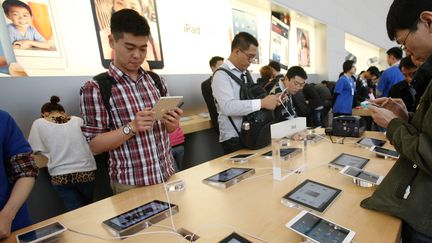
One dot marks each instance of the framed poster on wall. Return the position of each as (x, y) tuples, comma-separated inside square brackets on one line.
[(102, 11), (246, 22), (279, 42), (303, 47), (31, 30)]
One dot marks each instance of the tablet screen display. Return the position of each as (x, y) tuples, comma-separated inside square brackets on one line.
[(320, 229), (228, 174), (241, 156), (138, 214), (355, 172), (369, 142), (41, 232), (283, 152), (313, 195), (386, 151), (347, 159)]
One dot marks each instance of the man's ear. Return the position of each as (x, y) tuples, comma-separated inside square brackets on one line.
[(426, 17), (111, 40)]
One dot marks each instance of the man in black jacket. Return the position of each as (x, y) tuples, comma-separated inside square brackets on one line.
[(405, 90)]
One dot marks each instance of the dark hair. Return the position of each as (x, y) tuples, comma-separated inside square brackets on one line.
[(53, 105), (404, 14), (15, 3), (243, 40), (128, 21), (373, 71), (407, 62), (347, 65), (275, 65), (396, 52), (214, 60), (296, 71)]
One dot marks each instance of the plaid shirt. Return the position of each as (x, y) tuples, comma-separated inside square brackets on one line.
[(21, 165), (137, 161)]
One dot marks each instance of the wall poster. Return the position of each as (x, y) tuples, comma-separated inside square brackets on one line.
[(279, 42), (102, 11), (303, 47), (30, 28), (246, 22)]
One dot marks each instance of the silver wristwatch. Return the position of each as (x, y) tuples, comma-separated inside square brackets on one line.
[(127, 130)]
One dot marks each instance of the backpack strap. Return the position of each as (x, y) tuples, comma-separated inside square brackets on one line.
[(105, 82), (239, 82), (235, 78), (156, 78)]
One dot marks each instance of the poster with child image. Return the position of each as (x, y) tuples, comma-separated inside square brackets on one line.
[(30, 27)]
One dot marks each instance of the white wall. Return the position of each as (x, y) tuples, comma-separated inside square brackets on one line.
[(23, 97), (365, 19)]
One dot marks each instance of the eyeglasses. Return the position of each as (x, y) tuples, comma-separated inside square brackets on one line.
[(299, 84), (249, 56), (413, 27)]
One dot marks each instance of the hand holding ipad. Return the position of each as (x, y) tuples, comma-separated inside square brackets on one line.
[(165, 104)]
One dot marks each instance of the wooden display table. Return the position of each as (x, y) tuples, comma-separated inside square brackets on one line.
[(251, 206), (195, 124)]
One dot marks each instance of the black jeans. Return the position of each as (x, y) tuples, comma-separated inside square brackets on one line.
[(410, 235), (231, 145)]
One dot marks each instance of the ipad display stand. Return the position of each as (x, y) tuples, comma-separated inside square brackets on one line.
[(283, 169)]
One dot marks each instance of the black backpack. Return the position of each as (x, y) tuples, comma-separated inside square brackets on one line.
[(255, 129)]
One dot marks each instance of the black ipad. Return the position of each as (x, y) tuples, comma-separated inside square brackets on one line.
[(313, 195), (369, 142), (137, 215), (228, 174), (283, 152), (348, 159), (234, 238)]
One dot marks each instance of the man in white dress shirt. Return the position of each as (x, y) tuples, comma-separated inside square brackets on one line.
[(227, 92)]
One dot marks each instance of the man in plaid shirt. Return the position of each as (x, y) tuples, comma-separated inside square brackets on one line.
[(139, 146)]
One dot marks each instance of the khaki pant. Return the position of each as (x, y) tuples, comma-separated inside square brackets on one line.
[(119, 188)]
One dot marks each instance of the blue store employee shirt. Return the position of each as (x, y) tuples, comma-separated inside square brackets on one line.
[(345, 87)]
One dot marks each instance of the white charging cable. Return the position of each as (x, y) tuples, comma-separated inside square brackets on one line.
[(283, 105)]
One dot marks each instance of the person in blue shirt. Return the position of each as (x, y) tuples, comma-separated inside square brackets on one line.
[(344, 90), (17, 176), (391, 75)]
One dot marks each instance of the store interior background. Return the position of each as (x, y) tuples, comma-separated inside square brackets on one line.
[(334, 26)]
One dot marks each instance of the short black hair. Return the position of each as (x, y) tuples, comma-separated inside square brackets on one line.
[(404, 14), (53, 105), (214, 60), (275, 65), (128, 21), (396, 52), (296, 71), (347, 65), (407, 62), (15, 3), (374, 71), (243, 40)]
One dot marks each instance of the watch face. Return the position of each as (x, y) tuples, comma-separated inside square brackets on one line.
[(126, 130)]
